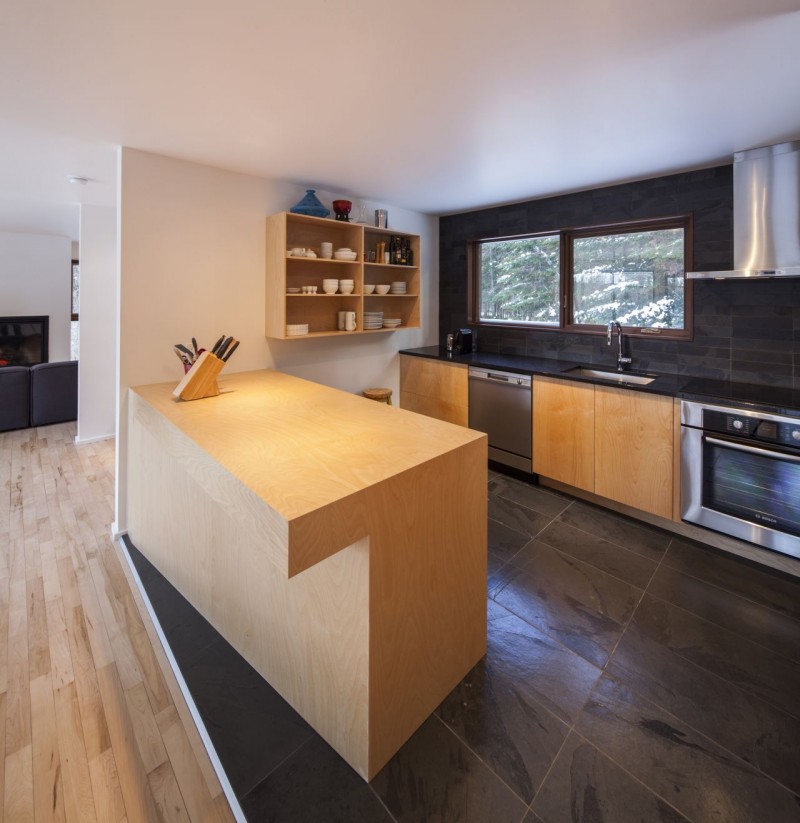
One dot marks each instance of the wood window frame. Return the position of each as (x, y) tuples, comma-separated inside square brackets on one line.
[(567, 235)]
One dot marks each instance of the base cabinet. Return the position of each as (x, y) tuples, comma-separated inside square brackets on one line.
[(633, 449), (563, 431), (616, 443), (434, 388)]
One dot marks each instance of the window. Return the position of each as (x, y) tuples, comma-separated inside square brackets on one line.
[(581, 279)]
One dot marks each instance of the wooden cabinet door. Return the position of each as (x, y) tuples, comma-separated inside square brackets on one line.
[(434, 388), (633, 449), (563, 431)]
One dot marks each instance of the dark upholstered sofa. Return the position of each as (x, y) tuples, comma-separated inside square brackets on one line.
[(38, 395)]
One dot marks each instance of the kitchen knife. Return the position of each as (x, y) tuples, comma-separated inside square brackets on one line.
[(194, 346), (231, 351), (217, 345), (184, 349), (221, 350)]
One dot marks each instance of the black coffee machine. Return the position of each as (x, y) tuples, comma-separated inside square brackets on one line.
[(462, 341)]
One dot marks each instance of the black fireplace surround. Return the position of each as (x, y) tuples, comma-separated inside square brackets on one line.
[(24, 340), (744, 331)]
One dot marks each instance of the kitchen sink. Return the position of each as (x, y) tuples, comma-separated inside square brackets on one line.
[(621, 378)]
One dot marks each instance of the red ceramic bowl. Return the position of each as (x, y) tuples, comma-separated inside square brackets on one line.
[(342, 206)]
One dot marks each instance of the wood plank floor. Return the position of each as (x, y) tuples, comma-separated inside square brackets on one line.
[(93, 726)]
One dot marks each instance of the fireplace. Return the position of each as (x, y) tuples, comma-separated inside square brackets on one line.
[(23, 340)]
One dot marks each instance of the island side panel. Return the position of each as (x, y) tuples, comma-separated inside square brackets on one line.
[(428, 570), (226, 553)]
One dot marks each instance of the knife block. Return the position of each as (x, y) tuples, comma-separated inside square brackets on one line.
[(201, 380)]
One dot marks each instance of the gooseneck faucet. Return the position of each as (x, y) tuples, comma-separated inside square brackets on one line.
[(614, 326)]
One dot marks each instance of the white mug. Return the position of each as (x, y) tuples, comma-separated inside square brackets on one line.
[(349, 321), (326, 250)]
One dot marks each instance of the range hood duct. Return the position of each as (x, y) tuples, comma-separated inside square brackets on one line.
[(766, 214)]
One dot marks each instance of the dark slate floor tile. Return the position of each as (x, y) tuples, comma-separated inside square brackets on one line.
[(435, 777), (188, 633), (516, 516), (512, 733), (703, 781), (752, 729), (253, 728), (312, 786), (505, 542), (507, 708), (579, 605), (760, 584), (543, 669), (529, 495), (186, 630), (608, 557), (634, 536), (144, 568), (760, 671), (772, 629), (585, 786)]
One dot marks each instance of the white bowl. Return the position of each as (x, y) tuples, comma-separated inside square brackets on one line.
[(398, 284), (345, 249), (329, 289), (368, 288), (344, 255), (383, 288), (346, 289)]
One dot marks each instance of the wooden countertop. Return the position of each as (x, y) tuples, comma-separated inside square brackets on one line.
[(302, 447)]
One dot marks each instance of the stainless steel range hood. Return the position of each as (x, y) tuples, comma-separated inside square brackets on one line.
[(766, 214)]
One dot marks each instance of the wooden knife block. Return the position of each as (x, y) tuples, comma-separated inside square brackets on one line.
[(201, 379)]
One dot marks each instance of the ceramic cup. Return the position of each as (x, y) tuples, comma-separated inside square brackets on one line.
[(326, 250), (298, 252), (349, 321), (340, 324)]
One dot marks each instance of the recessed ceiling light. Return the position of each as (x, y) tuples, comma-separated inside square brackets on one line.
[(80, 181)]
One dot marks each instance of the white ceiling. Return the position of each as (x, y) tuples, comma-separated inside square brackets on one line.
[(433, 105)]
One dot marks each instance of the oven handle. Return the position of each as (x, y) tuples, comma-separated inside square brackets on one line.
[(740, 447)]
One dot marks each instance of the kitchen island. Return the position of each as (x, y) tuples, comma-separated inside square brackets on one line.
[(338, 544)]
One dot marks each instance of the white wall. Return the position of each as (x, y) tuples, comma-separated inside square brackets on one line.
[(192, 263), (35, 272), (97, 393)]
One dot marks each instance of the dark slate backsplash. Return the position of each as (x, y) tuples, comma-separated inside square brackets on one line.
[(743, 331)]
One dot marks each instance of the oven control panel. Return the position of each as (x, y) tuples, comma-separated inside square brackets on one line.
[(786, 432)]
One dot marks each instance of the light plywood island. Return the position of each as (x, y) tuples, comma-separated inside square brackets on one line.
[(337, 543)]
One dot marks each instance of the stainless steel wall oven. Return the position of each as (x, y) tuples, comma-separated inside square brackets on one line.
[(740, 474)]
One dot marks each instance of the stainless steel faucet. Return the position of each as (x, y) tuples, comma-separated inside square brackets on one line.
[(614, 326)]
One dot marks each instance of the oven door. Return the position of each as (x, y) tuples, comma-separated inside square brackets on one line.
[(742, 489)]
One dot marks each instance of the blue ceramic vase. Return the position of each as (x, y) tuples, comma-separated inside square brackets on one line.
[(310, 205)]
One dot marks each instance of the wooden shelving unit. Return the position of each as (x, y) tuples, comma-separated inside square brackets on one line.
[(286, 231)]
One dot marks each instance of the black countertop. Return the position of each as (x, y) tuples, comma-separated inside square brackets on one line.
[(767, 398)]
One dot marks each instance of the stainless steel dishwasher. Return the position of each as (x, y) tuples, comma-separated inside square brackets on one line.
[(500, 405)]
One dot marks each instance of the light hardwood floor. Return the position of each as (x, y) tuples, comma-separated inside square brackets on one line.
[(93, 726)]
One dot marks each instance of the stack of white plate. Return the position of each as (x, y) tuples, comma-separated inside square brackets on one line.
[(398, 287), (296, 329), (392, 322), (373, 320)]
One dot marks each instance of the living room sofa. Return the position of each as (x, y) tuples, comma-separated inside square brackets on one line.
[(38, 395)]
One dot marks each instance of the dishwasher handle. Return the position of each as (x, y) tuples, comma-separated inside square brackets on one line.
[(509, 378)]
